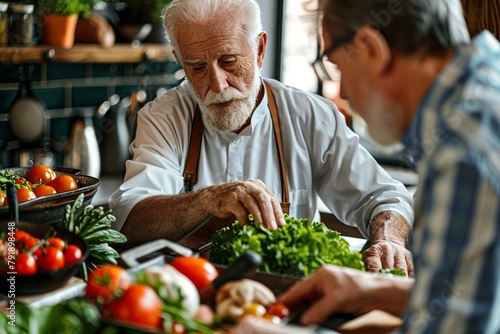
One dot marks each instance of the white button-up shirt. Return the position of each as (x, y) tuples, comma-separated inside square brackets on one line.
[(323, 158)]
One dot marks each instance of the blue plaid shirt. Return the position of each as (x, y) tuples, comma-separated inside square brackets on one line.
[(454, 143)]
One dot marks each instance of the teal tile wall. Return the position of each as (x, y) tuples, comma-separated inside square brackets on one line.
[(74, 87)]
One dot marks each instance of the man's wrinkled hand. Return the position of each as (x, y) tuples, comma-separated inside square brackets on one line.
[(387, 255), (241, 198)]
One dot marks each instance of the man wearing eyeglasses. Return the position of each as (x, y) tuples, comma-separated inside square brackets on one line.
[(410, 70), (259, 143)]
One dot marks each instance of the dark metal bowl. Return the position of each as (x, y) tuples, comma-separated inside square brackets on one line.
[(50, 209), (42, 281)]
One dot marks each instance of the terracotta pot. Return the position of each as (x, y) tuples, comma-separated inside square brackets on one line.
[(59, 30)]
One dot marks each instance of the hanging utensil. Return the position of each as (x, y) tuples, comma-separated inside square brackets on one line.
[(28, 113)]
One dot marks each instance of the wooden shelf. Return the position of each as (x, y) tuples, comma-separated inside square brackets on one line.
[(87, 53)]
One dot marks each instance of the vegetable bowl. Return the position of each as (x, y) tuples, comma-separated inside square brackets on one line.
[(43, 281), (50, 209)]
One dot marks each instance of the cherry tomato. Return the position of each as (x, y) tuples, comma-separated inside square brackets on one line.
[(26, 244), (26, 264), (39, 250), (139, 306), (278, 309), (105, 282), (21, 235), (56, 242), (72, 254), (51, 259), (63, 183), (41, 174), (199, 270), (2, 198), (44, 190), (24, 194)]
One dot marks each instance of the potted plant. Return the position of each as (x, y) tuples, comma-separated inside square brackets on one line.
[(59, 18)]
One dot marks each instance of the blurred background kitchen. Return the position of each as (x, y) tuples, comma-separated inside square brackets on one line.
[(73, 102)]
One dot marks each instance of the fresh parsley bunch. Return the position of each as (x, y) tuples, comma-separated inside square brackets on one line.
[(298, 248)]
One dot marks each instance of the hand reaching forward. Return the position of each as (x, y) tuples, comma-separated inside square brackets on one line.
[(241, 198), (387, 255), (389, 232), (332, 289)]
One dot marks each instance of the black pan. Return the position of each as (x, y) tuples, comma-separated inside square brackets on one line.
[(50, 209)]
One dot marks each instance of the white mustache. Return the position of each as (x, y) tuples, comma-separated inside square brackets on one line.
[(229, 94)]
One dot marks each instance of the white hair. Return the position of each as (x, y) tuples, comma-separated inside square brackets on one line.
[(202, 11)]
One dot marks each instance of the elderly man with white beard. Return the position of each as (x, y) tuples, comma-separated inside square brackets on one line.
[(227, 143)]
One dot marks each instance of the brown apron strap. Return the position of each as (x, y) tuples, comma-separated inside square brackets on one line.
[(195, 147), (194, 152), (285, 202)]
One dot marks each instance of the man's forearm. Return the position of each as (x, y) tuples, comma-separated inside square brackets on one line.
[(390, 226), (171, 217)]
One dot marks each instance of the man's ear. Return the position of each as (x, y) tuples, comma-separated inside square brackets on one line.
[(375, 50), (262, 48)]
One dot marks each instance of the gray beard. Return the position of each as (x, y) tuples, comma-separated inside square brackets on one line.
[(232, 118)]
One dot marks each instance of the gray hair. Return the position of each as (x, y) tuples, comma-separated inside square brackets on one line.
[(202, 11), (407, 25)]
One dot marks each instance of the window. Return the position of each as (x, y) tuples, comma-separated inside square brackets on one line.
[(300, 46)]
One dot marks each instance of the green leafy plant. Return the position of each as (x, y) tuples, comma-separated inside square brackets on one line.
[(298, 248), (66, 7), (93, 224), (393, 271)]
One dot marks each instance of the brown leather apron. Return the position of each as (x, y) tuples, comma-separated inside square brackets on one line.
[(195, 147)]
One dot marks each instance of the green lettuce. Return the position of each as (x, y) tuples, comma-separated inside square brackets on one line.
[(297, 249)]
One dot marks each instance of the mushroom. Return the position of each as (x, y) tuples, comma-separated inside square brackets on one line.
[(232, 298)]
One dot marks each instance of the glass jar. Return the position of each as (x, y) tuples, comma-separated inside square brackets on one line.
[(21, 24), (4, 23)]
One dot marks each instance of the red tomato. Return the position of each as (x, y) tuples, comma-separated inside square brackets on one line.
[(44, 190), (199, 270), (41, 174), (26, 244), (25, 264), (2, 198), (51, 259), (72, 254), (63, 183), (21, 235), (279, 310), (105, 282), (139, 306), (56, 242), (24, 194)]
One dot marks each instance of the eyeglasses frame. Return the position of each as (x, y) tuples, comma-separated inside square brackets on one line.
[(318, 64)]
